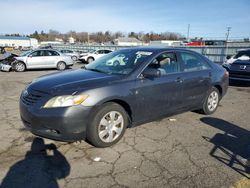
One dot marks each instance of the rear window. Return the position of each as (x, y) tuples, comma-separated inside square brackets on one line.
[(193, 62)]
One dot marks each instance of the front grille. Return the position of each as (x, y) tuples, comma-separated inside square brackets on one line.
[(31, 98), (239, 67)]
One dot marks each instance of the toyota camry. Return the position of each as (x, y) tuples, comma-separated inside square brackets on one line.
[(125, 88)]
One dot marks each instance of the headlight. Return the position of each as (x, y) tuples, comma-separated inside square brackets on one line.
[(64, 101)]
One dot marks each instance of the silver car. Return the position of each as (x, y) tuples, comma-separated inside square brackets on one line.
[(74, 55), (42, 58)]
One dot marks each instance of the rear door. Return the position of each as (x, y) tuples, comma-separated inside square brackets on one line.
[(52, 57), (196, 76), (162, 95)]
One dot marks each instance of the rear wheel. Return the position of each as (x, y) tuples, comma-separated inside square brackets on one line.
[(212, 102), (74, 58), (90, 59), (19, 67), (108, 125), (61, 66)]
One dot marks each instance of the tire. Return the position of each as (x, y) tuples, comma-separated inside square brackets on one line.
[(107, 126), (19, 67), (90, 59), (212, 102), (61, 66), (74, 58)]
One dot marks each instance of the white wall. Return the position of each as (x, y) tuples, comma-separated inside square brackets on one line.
[(16, 43)]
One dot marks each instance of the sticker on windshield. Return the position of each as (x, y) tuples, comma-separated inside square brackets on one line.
[(143, 53)]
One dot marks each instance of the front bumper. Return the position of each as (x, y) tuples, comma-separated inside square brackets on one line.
[(64, 124), (4, 67), (83, 58), (238, 75)]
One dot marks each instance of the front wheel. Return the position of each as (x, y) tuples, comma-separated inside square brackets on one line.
[(19, 67), (90, 59), (108, 125), (212, 102), (74, 58)]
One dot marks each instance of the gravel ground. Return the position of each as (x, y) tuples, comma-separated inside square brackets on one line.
[(192, 151)]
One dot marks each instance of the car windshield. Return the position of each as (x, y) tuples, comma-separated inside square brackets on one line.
[(119, 62), (242, 53), (25, 53)]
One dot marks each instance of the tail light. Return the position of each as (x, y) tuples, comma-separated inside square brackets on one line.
[(226, 74)]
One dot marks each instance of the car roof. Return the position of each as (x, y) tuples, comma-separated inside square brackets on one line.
[(242, 50), (157, 49)]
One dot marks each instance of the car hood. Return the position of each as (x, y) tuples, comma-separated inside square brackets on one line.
[(71, 81), (241, 62)]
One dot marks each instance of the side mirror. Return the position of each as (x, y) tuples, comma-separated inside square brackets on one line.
[(30, 55), (228, 57), (151, 73)]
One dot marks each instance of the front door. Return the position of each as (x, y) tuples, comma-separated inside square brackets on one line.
[(160, 95), (35, 59)]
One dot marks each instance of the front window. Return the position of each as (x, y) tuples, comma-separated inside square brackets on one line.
[(119, 62), (166, 63)]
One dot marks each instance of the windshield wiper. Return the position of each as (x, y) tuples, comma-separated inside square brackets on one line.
[(95, 70)]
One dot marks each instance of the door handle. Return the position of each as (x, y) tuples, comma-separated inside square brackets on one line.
[(210, 74), (179, 80)]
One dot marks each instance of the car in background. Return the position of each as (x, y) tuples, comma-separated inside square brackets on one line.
[(93, 55), (238, 66), (101, 100), (74, 55), (40, 59)]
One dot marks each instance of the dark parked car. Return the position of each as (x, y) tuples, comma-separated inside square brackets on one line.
[(100, 101), (238, 66)]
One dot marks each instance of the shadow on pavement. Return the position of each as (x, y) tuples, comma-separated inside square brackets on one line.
[(239, 83), (231, 147), (42, 166)]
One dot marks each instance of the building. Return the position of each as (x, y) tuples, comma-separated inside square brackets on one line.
[(127, 41), (165, 43), (71, 40), (15, 41)]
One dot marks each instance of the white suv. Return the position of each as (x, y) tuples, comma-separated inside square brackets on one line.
[(92, 56), (42, 58)]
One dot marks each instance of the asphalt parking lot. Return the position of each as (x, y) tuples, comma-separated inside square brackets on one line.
[(186, 150)]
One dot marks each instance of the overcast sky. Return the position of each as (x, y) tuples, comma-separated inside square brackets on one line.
[(206, 18)]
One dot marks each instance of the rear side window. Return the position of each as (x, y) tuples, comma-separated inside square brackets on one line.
[(193, 63)]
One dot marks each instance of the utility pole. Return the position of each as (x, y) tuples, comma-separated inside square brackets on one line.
[(188, 32), (227, 37), (88, 38), (228, 32)]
